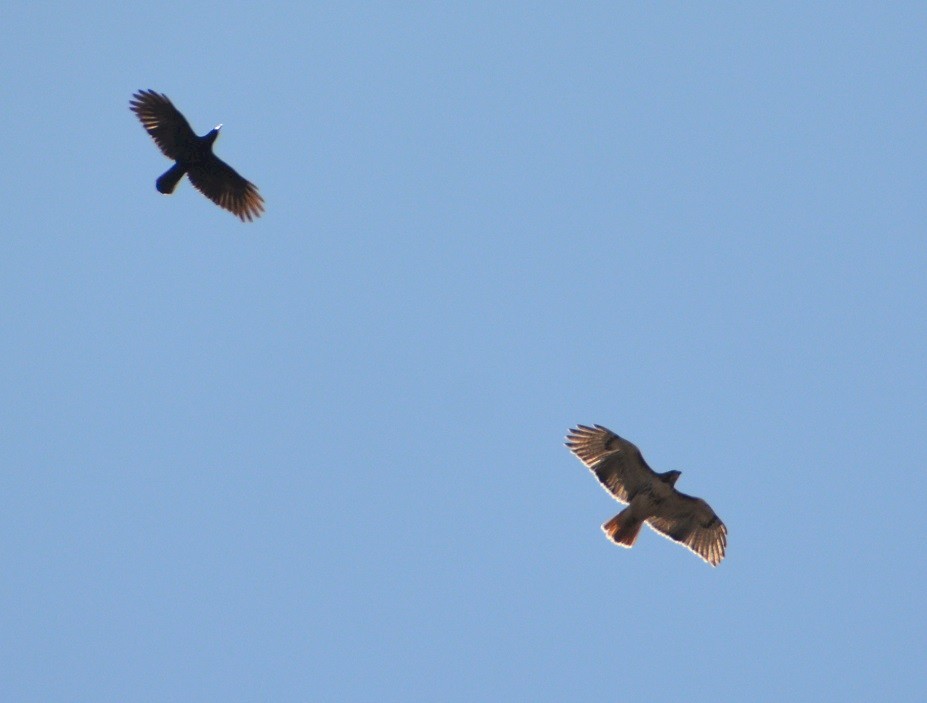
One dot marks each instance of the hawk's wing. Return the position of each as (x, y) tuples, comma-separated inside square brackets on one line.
[(170, 130), (691, 522), (226, 188), (615, 461)]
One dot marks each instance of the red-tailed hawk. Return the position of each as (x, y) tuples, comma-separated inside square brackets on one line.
[(651, 497)]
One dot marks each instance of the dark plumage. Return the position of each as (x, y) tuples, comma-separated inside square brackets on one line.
[(193, 155), (651, 497)]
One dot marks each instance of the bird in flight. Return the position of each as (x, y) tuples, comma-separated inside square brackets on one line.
[(651, 497), (193, 155)]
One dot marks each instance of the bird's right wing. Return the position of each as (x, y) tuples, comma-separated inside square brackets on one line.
[(170, 129), (226, 188), (616, 462), (691, 522)]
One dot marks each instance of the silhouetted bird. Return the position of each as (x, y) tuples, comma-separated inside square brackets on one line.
[(209, 174)]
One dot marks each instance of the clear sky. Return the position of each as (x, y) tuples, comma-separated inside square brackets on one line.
[(320, 457)]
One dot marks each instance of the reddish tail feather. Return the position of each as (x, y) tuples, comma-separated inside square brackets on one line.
[(623, 529)]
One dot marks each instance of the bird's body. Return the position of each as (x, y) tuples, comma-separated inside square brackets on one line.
[(651, 497), (193, 156)]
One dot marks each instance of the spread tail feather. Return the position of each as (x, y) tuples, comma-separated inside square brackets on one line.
[(623, 529), (170, 178)]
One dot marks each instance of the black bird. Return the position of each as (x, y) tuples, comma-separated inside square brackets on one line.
[(209, 174)]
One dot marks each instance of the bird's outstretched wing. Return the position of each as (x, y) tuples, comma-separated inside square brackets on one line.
[(170, 129), (691, 522), (226, 188), (615, 461)]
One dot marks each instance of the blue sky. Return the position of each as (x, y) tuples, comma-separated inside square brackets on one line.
[(319, 457)]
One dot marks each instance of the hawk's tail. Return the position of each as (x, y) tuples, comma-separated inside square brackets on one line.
[(623, 529)]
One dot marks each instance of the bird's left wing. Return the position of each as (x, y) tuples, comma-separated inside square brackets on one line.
[(691, 522), (226, 188), (616, 462), (170, 129)]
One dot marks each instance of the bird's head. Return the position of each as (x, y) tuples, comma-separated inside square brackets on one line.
[(671, 477), (213, 134)]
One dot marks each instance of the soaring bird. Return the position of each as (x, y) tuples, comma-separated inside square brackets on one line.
[(651, 497), (193, 155)]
